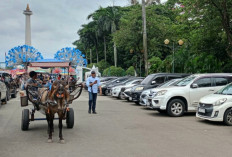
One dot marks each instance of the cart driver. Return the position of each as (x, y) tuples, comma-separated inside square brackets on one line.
[(34, 85)]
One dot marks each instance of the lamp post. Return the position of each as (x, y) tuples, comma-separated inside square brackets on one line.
[(180, 43)]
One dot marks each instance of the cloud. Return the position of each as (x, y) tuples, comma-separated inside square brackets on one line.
[(54, 23)]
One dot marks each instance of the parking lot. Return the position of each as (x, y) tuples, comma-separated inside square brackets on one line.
[(120, 129)]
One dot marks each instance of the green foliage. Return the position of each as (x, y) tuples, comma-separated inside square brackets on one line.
[(114, 71), (130, 71), (203, 25), (155, 63), (102, 65)]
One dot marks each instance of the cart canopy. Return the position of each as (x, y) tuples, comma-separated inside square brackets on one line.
[(49, 63)]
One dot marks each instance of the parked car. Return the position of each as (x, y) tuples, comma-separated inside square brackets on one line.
[(3, 92), (105, 87), (217, 106), (185, 95), (117, 90), (11, 88), (149, 93), (106, 79), (152, 81)]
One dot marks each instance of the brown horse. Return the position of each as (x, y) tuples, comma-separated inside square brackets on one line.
[(58, 101)]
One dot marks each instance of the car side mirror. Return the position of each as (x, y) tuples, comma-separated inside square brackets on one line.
[(194, 85), (153, 82)]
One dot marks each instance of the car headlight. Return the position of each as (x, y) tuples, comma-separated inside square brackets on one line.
[(103, 85), (162, 92), (117, 89), (139, 88), (220, 102)]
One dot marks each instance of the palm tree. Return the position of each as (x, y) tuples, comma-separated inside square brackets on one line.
[(107, 20)]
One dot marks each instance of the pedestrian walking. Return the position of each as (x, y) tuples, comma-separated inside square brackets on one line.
[(93, 84)]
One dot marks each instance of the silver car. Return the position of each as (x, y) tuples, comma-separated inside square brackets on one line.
[(3, 92)]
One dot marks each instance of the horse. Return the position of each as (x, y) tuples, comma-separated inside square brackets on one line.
[(58, 101)]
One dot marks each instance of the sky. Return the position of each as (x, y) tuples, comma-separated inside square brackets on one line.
[(54, 23)]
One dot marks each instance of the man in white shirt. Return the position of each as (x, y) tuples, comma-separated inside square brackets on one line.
[(93, 84)]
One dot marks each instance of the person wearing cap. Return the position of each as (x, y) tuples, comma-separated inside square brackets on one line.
[(93, 84)]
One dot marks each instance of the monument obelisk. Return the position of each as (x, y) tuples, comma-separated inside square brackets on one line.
[(28, 13)]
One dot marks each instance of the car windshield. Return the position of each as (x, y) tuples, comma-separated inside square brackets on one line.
[(185, 81), (225, 91), (170, 83), (147, 80)]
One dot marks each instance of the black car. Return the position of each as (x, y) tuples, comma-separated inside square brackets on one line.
[(105, 89), (152, 81)]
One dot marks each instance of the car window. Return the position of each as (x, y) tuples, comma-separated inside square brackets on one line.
[(173, 77), (159, 79), (204, 82), (220, 81)]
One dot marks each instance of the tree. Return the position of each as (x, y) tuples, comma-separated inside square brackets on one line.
[(130, 71), (114, 71)]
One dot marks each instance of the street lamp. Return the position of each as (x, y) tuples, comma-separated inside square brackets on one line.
[(180, 43)]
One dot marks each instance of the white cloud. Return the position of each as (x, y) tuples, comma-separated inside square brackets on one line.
[(54, 23)]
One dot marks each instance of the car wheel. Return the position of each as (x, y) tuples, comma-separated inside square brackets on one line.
[(106, 92), (176, 108), (120, 95), (228, 117)]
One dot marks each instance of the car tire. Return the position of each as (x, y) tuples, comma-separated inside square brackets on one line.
[(25, 120), (176, 108), (119, 96), (5, 100), (105, 92), (227, 119)]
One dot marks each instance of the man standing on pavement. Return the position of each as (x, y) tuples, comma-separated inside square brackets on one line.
[(93, 83)]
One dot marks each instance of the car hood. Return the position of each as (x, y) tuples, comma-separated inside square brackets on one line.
[(212, 98)]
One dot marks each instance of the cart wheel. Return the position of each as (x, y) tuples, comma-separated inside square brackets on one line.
[(25, 119), (70, 118)]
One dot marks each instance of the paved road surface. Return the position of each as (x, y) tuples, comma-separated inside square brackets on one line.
[(121, 129)]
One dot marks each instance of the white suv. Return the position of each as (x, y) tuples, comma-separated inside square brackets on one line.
[(217, 106), (185, 95)]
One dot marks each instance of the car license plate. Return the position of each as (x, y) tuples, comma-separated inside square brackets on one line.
[(130, 98), (202, 110)]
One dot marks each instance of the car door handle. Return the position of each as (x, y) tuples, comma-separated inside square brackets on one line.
[(211, 90)]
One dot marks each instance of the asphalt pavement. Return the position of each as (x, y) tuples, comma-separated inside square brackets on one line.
[(120, 129)]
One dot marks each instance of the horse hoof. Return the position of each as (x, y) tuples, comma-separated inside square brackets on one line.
[(62, 141), (49, 140)]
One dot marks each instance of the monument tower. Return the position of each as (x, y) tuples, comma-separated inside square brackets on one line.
[(28, 13)]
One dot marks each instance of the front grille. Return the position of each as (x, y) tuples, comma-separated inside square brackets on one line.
[(134, 96), (208, 109)]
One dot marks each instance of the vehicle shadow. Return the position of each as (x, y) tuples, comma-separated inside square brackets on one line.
[(212, 123), (158, 114)]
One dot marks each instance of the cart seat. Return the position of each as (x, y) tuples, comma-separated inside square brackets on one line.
[(43, 92)]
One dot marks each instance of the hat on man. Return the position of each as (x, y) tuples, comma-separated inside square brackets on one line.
[(93, 72)]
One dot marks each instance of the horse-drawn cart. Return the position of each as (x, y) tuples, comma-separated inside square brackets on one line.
[(50, 101)]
